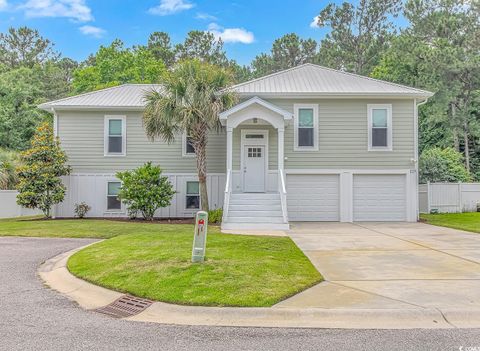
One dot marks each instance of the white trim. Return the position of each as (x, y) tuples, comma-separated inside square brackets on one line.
[(184, 147), (370, 108), (244, 142), (354, 171), (255, 100), (113, 210), (296, 108), (107, 118), (186, 194)]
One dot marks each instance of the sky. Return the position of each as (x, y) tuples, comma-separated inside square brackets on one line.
[(79, 27)]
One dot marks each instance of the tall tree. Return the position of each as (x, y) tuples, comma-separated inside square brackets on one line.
[(287, 51), (202, 46), (114, 65), (160, 45), (439, 51), (358, 34), (25, 47), (191, 101)]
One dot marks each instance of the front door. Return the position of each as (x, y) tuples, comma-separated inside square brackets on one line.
[(254, 168)]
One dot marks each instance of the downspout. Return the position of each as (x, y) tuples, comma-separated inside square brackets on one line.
[(416, 154), (55, 135)]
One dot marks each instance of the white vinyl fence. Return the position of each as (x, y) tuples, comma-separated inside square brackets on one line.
[(449, 197), (9, 207)]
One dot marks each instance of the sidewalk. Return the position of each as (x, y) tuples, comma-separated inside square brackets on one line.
[(89, 296)]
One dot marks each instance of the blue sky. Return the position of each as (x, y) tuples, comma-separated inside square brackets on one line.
[(79, 27)]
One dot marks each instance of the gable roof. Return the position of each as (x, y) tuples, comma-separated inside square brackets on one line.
[(126, 96), (314, 80), (256, 100)]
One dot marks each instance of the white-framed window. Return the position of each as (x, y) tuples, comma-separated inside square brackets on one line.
[(192, 197), (306, 127), (187, 147), (115, 136), (379, 127), (113, 202)]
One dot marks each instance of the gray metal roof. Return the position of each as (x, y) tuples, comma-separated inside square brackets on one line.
[(127, 96), (313, 80)]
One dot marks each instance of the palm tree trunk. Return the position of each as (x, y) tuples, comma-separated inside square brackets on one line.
[(200, 146)]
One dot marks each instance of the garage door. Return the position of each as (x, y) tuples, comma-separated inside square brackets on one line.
[(379, 197), (313, 197)]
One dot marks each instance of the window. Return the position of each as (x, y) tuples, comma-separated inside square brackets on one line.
[(113, 202), (306, 127), (193, 196), (187, 147), (115, 136), (254, 136), (380, 127), (254, 152)]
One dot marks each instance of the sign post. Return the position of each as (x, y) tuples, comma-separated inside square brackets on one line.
[(200, 237)]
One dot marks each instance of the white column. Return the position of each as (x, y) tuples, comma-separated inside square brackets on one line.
[(281, 145), (229, 148), (346, 197)]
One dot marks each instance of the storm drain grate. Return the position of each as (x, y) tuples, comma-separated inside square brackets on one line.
[(125, 306)]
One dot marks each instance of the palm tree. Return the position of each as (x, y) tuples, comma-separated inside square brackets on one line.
[(190, 101)]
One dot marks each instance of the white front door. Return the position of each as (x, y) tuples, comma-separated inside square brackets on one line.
[(254, 168)]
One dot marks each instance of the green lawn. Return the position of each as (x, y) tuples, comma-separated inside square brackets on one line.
[(465, 221), (153, 260), (80, 228), (239, 270)]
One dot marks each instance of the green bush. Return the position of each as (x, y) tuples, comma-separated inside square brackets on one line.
[(215, 216), (145, 190), (81, 210), (442, 165)]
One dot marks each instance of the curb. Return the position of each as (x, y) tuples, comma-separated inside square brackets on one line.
[(89, 296)]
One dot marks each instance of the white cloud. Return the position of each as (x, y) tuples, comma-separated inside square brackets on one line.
[(205, 16), (73, 9), (3, 4), (169, 7), (231, 35), (95, 32), (314, 23)]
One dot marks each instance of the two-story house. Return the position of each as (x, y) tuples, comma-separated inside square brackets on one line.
[(305, 144)]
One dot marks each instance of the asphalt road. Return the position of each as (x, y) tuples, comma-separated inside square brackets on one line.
[(33, 317)]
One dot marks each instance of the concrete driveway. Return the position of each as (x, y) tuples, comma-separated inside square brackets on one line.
[(389, 266)]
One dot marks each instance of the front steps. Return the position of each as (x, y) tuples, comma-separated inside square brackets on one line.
[(255, 211)]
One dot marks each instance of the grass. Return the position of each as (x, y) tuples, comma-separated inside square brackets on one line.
[(152, 260), (81, 228), (239, 270), (464, 221)]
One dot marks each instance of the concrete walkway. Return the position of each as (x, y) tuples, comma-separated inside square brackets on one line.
[(389, 266), (382, 276)]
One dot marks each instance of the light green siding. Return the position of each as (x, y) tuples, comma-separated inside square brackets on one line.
[(272, 145), (82, 137), (343, 139), (343, 136)]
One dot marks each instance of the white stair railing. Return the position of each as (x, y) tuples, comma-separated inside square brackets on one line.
[(283, 195), (226, 197)]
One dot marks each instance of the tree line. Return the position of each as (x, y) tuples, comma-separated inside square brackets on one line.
[(437, 50)]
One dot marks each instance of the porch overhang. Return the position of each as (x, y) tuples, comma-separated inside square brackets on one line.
[(255, 108)]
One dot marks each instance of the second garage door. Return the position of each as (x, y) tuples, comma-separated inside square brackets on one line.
[(313, 197), (379, 197)]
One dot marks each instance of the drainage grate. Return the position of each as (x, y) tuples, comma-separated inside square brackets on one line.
[(125, 306)]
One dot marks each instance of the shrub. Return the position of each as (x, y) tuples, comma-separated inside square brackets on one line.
[(40, 185), (442, 165), (215, 216), (9, 161), (81, 209), (145, 190)]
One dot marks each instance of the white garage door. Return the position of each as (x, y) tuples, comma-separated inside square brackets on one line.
[(379, 197), (313, 197)]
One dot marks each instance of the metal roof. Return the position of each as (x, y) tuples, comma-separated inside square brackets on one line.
[(307, 80), (127, 96), (314, 80)]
